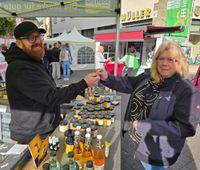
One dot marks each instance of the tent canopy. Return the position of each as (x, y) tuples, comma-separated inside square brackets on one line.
[(57, 8), (73, 36)]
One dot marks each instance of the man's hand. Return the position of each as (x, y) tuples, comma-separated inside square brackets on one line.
[(103, 74), (92, 79)]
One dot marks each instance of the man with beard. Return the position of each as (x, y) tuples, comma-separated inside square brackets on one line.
[(33, 96)]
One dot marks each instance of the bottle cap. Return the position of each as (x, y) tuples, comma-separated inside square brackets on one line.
[(77, 133), (70, 154), (89, 164), (88, 130), (46, 166), (53, 153), (87, 135), (99, 136)]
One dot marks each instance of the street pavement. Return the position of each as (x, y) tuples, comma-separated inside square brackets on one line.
[(190, 155)]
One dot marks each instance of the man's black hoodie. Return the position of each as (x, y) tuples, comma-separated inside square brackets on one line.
[(33, 96)]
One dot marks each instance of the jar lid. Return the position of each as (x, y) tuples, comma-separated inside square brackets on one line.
[(75, 124), (84, 116), (70, 141), (90, 109), (92, 116), (100, 116), (80, 113), (107, 116), (94, 127), (84, 126), (97, 108), (79, 104), (89, 102)]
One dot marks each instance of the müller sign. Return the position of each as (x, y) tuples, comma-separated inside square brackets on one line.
[(130, 16)]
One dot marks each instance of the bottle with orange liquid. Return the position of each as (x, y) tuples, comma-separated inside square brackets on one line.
[(87, 153), (77, 149), (99, 157)]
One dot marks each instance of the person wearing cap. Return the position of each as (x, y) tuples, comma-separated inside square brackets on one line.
[(32, 93)]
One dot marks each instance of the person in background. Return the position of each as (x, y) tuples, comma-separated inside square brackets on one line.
[(55, 62), (196, 80), (33, 95), (70, 56), (45, 58), (65, 59), (163, 110), (99, 58), (131, 60)]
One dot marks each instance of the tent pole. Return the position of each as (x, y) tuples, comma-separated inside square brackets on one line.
[(117, 43)]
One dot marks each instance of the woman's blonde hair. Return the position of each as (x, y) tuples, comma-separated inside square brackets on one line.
[(63, 53), (179, 56)]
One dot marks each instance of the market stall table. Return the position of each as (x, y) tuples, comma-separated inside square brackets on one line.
[(111, 134)]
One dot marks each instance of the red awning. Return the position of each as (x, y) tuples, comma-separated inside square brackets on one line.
[(138, 35)]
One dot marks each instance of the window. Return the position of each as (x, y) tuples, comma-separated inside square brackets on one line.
[(85, 55)]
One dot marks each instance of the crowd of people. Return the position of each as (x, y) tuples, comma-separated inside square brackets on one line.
[(58, 60), (162, 112)]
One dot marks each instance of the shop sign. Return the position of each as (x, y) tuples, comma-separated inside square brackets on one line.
[(179, 13), (131, 16)]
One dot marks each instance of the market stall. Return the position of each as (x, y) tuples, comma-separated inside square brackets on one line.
[(110, 133)]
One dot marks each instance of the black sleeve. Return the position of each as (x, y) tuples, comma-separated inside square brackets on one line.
[(33, 85)]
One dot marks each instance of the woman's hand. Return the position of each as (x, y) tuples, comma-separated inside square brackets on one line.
[(136, 124)]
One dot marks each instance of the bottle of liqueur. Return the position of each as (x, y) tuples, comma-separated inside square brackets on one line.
[(99, 157), (77, 149), (54, 164), (87, 152)]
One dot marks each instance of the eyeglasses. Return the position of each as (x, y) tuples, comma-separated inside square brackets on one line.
[(33, 38), (169, 60)]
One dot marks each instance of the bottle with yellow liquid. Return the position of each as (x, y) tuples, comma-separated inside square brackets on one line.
[(87, 152), (99, 157), (77, 149)]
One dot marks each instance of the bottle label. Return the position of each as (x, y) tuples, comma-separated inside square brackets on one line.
[(99, 167)]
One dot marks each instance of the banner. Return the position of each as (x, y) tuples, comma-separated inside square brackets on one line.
[(179, 13)]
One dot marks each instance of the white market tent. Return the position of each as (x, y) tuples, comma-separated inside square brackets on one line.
[(82, 48), (65, 8)]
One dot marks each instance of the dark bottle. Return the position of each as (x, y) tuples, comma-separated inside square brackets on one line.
[(72, 164)]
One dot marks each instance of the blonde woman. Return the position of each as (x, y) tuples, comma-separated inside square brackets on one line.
[(64, 57), (164, 108)]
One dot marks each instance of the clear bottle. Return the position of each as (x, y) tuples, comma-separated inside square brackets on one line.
[(72, 164), (77, 149), (54, 164), (87, 152), (99, 157)]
